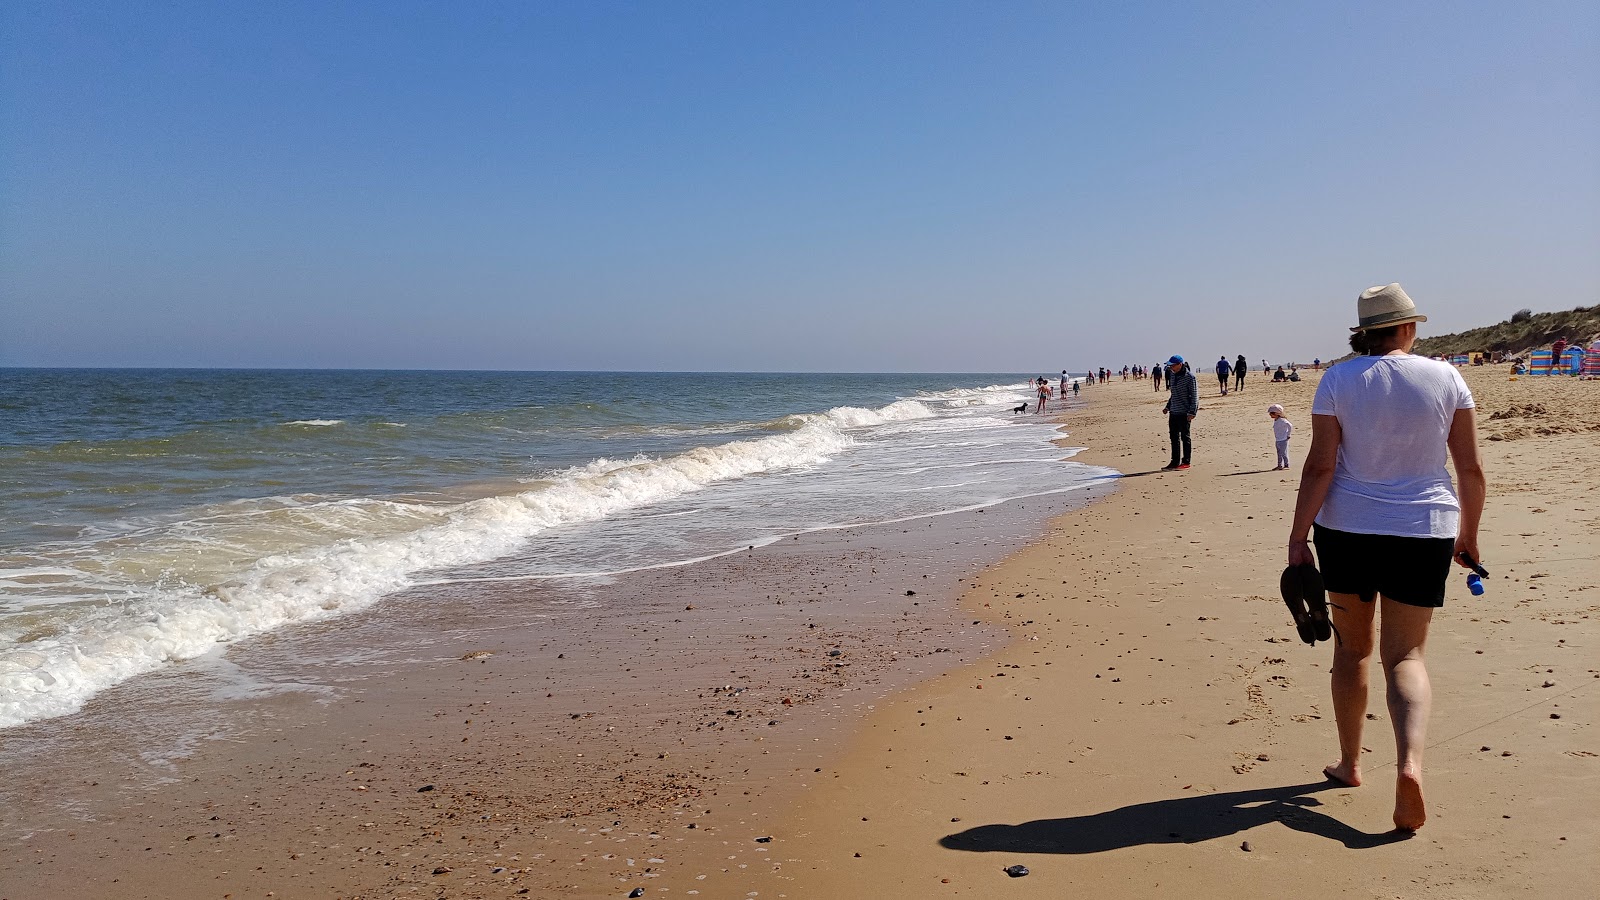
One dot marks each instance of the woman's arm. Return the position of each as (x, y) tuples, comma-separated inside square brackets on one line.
[(1314, 481), (1463, 443)]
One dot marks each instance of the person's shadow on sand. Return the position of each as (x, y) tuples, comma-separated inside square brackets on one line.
[(1185, 820)]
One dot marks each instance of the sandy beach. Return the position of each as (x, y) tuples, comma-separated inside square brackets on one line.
[(1155, 728), (465, 741), (1120, 705)]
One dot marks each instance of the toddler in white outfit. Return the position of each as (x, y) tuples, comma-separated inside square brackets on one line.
[(1281, 429)]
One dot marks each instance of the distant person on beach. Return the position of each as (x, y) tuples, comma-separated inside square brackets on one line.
[(1181, 408), (1294, 372), (1387, 523), (1239, 368), (1075, 387), (1044, 392), (1064, 381), (1279, 376), (1223, 371), (1155, 375), (1281, 429)]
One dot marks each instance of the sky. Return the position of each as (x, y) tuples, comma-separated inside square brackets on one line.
[(781, 186)]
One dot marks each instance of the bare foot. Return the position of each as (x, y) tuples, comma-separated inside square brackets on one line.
[(1409, 810), (1349, 776)]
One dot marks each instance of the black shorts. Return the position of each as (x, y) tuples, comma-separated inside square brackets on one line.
[(1409, 570)]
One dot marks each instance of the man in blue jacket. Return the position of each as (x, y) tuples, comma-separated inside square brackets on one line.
[(1181, 408)]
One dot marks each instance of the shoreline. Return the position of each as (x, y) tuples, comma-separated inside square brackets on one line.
[(1160, 714), (1155, 728), (540, 736)]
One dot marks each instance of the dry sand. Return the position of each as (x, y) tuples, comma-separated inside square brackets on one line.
[(1155, 729)]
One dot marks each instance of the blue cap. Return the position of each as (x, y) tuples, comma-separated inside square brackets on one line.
[(1175, 360)]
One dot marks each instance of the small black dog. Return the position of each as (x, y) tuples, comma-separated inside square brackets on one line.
[(1021, 407)]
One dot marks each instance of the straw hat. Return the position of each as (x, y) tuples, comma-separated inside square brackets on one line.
[(1380, 307)]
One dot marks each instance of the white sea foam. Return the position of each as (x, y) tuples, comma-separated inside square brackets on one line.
[(320, 423), (268, 569)]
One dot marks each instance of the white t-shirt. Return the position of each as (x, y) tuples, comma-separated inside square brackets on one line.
[(1282, 428), (1394, 413)]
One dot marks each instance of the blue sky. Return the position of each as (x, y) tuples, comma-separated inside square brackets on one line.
[(781, 186)]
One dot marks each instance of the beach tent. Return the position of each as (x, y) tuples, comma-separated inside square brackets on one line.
[(1571, 362), (1539, 362), (1591, 361)]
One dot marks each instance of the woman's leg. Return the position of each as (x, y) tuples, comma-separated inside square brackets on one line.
[(1404, 632), (1352, 650)]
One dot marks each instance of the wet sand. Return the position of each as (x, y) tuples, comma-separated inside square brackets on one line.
[(1155, 728), (561, 738)]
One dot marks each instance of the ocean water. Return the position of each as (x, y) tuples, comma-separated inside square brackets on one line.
[(148, 516)]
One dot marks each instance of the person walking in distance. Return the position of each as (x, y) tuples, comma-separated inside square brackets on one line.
[(1181, 408), (1387, 521), (1155, 375), (1223, 371), (1240, 366)]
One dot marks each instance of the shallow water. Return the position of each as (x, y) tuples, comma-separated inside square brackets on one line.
[(151, 516)]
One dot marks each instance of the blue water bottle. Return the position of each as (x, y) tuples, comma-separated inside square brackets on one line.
[(1476, 576)]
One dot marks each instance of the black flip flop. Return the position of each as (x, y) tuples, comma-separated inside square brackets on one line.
[(1307, 599), (1316, 601), (1294, 598)]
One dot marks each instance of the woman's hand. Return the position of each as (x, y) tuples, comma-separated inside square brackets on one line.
[(1300, 554), (1468, 545)]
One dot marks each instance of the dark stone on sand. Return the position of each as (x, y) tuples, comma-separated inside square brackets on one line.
[(1245, 846), (1016, 871), (835, 652), (764, 840), (1555, 715), (424, 789), (441, 870), (911, 593), (636, 892), (955, 818)]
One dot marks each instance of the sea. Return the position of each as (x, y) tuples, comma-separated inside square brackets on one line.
[(148, 517)]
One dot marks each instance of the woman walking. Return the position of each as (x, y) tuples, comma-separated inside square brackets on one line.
[(1387, 523)]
